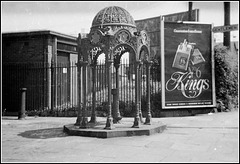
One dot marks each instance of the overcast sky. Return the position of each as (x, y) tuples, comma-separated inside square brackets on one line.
[(75, 17)]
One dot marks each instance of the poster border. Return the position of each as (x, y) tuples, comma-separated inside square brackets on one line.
[(162, 22)]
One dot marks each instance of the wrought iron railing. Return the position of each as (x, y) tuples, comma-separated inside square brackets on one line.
[(52, 89)]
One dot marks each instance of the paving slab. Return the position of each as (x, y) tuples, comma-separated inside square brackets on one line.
[(201, 138)]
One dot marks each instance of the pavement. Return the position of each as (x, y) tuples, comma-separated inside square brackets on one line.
[(212, 137)]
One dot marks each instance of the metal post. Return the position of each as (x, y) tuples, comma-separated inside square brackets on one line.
[(49, 90), (21, 113), (55, 73), (116, 114), (79, 115), (148, 120), (93, 116), (109, 123), (136, 122), (140, 92), (79, 73), (52, 86), (226, 35), (189, 11), (84, 122)]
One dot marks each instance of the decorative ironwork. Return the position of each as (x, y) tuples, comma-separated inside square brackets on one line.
[(113, 33), (123, 36), (144, 38), (93, 55), (95, 38), (144, 56), (113, 15)]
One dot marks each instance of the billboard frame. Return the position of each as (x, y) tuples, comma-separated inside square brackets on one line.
[(162, 45)]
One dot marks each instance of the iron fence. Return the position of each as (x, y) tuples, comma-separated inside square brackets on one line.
[(52, 88)]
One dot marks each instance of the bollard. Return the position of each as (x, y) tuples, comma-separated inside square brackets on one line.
[(21, 113)]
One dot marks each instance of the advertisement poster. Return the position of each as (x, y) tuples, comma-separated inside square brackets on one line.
[(187, 66)]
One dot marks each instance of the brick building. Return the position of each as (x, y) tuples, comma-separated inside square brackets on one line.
[(38, 52)]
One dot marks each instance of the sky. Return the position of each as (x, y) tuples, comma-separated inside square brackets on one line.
[(71, 17)]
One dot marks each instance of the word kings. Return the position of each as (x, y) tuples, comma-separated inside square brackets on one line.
[(189, 83)]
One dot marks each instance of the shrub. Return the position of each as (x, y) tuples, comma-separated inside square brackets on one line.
[(127, 108), (156, 104), (226, 78)]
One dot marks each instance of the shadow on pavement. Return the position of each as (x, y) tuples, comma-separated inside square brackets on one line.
[(44, 133)]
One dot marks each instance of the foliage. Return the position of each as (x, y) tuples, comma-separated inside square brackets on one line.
[(127, 108), (156, 104), (156, 69), (102, 109), (226, 78)]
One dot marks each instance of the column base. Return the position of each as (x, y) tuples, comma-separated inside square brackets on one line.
[(93, 120), (78, 121), (141, 118), (21, 116), (136, 123), (148, 120), (109, 124), (116, 120), (84, 123)]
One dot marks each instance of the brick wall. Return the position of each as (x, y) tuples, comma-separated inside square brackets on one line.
[(23, 49), (34, 49)]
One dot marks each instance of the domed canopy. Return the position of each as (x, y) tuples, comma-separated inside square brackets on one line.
[(113, 15)]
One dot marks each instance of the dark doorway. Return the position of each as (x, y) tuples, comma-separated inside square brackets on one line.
[(63, 79)]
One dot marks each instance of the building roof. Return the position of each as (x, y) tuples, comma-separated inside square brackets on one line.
[(37, 32)]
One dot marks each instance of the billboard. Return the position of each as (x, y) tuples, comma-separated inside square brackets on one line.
[(152, 27), (187, 65)]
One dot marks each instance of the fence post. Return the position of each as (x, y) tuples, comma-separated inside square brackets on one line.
[(49, 87), (52, 86), (22, 111)]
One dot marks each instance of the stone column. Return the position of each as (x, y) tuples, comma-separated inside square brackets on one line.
[(148, 120), (136, 122), (93, 116), (84, 122), (109, 123)]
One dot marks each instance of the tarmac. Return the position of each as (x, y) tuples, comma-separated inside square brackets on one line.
[(212, 137)]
